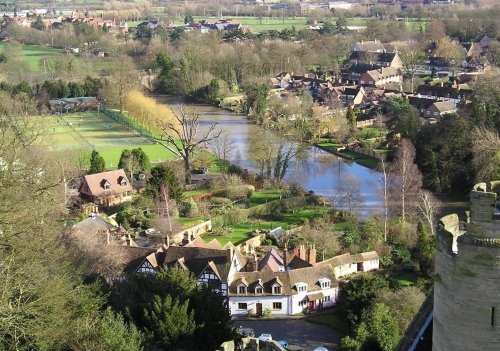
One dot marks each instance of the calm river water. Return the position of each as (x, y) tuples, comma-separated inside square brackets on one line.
[(320, 171)]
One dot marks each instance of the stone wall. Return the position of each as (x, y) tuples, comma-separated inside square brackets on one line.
[(467, 287), (192, 233)]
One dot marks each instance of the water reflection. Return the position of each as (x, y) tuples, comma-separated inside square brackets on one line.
[(318, 171)]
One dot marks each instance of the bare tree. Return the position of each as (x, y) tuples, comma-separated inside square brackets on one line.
[(383, 187), (349, 194), (182, 140), (486, 150), (223, 148), (427, 207), (406, 179)]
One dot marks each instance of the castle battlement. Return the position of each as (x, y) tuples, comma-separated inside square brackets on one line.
[(466, 298)]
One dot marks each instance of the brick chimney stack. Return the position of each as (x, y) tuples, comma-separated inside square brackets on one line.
[(302, 252), (311, 255), (166, 241), (255, 264)]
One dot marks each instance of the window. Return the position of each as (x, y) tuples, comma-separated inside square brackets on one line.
[(276, 305), (213, 284), (258, 290), (493, 316), (242, 289), (107, 186), (242, 306), (326, 298), (303, 303), (123, 182), (276, 289)]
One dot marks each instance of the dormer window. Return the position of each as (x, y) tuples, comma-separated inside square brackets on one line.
[(301, 287), (324, 283), (276, 289), (258, 290), (105, 184), (122, 181), (242, 289)]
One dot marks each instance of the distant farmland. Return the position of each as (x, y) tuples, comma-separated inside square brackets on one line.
[(86, 130), (34, 53)]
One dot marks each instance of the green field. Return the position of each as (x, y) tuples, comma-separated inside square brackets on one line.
[(243, 231), (87, 130), (34, 53), (259, 24)]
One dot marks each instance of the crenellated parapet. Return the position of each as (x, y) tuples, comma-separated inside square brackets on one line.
[(467, 266)]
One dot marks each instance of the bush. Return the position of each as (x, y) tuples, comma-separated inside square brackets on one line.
[(190, 209), (216, 200), (267, 313)]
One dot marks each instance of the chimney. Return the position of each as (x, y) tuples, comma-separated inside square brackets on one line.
[(311, 255), (127, 240), (108, 235), (285, 252), (255, 264), (166, 241), (229, 254), (442, 84), (302, 252)]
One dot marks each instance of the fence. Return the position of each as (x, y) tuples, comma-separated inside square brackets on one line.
[(127, 122), (366, 123), (367, 152), (70, 125)]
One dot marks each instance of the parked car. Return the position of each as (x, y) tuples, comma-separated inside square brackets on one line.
[(246, 331), (283, 343), (265, 337), (321, 348)]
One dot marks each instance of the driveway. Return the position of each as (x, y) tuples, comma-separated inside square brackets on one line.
[(297, 332)]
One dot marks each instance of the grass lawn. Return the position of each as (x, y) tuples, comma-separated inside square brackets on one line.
[(331, 320), (263, 196), (242, 231), (257, 24), (190, 193), (86, 130), (406, 278), (187, 222), (372, 132), (34, 53)]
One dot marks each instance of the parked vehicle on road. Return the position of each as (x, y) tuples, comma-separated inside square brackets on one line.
[(265, 337), (321, 348), (246, 331), (283, 343)]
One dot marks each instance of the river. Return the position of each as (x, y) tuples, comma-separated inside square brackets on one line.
[(319, 171)]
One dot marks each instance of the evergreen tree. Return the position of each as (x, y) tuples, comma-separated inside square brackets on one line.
[(164, 175), (97, 164), (424, 249), (378, 330), (165, 79), (357, 294), (169, 321), (38, 23), (351, 118)]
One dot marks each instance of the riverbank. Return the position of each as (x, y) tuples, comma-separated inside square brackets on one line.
[(363, 160)]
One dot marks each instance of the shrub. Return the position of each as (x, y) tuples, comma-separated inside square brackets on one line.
[(267, 313), (216, 200), (190, 208)]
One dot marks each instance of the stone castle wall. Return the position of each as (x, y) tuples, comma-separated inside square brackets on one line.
[(467, 287)]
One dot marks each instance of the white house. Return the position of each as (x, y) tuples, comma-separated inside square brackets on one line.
[(287, 292)]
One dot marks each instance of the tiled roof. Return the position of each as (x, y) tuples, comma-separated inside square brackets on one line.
[(96, 183), (372, 46), (273, 260), (92, 225), (366, 256)]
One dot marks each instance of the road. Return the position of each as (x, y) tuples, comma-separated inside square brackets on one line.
[(297, 332)]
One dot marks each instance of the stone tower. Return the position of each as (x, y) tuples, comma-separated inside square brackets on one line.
[(467, 287)]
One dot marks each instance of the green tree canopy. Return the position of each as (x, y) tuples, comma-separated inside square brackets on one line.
[(97, 164), (357, 294), (164, 175)]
